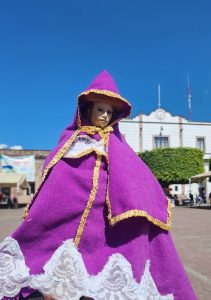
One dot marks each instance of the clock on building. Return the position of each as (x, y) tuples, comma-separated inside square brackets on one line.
[(160, 114)]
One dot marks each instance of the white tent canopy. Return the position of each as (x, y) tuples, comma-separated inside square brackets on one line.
[(14, 180), (200, 176)]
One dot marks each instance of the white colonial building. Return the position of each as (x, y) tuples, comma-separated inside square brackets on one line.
[(160, 129)]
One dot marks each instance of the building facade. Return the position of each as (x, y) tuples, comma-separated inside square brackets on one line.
[(160, 129), (23, 195)]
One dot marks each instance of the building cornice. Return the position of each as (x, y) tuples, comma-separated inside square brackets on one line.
[(39, 154), (162, 122)]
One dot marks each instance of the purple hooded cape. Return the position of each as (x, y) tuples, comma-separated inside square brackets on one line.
[(142, 195), (108, 210)]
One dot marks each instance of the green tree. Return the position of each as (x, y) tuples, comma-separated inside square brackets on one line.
[(174, 165)]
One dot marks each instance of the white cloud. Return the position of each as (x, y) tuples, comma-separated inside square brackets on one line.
[(16, 147), (3, 146)]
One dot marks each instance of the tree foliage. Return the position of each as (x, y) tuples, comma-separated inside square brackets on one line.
[(174, 165)]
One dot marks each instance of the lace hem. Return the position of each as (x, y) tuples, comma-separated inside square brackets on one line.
[(65, 276), (14, 274)]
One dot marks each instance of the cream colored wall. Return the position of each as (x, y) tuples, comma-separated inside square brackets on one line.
[(176, 128)]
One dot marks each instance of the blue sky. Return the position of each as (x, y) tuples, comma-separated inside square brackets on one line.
[(52, 49)]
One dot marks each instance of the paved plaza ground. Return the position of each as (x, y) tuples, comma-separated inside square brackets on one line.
[(191, 230)]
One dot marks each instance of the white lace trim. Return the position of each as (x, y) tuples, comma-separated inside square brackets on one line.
[(85, 143), (14, 274), (65, 276)]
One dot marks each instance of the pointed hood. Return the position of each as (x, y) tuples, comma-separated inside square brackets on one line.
[(103, 88), (103, 82)]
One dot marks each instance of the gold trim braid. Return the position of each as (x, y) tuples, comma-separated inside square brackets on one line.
[(103, 132), (90, 201), (60, 153), (55, 159), (86, 152), (139, 213), (106, 93)]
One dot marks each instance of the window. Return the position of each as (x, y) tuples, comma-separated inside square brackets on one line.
[(176, 188), (161, 142), (200, 143)]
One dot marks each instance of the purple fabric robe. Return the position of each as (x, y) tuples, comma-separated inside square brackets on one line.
[(140, 235)]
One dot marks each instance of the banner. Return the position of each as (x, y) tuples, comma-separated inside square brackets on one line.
[(19, 164)]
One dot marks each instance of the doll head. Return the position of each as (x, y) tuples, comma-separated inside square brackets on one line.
[(99, 113), (102, 90)]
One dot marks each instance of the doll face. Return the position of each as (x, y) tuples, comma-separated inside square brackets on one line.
[(101, 114)]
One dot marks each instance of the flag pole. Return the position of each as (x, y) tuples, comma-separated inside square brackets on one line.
[(189, 99), (159, 104)]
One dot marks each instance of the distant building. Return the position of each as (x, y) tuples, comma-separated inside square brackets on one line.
[(12, 188), (160, 129)]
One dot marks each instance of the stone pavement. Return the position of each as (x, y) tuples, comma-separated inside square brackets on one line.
[(191, 230)]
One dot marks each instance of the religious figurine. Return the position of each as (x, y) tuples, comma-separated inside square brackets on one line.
[(98, 226)]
